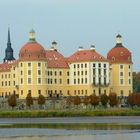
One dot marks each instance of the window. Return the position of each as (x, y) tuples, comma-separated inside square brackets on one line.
[(121, 73), (85, 65), (129, 67), (55, 81), (9, 83), (78, 72), (39, 80), (121, 66), (14, 75), (2, 76), (74, 66), (85, 80), (82, 80), (29, 80), (21, 92), (29, 91), (75, 92), (21, 64), (86, 92), (9, 75), (55, 73), (21, 81), (82, 72), (5, 83), (99, 65), (39, 64), (121, 81), (104, 65), (21, 72), (68, 92), (68, 81), (60, 73), (39, 72), (93, 80), (74, 73), (14, 83), (94, 65), (29, 72), (39, 92), (81, 65), (78, 81), (94, 71), (85, 72), (129, 73), (129, 81), (99, 71), (74, 81), (77, 65), (60, 81), (5, 75), (29, 64), (2, 84), (68, 73)]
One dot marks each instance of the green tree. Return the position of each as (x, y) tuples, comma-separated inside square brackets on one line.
[(136, 82), (113, 99), (41, 100), (29, 100), (104, 100), (12, 101), (94, 100)]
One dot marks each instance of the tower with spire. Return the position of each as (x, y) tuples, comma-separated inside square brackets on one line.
[(8, 51)]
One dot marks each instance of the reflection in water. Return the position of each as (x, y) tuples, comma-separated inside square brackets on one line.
[(82, 137), (70, 132)]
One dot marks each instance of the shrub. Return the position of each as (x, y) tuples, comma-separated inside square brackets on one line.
[(104, 99), (29, 100), (94, 100), (41, 100), (113, 99), (12, 101)]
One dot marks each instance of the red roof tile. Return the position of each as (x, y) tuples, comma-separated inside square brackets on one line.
[(6, 67), (32, 51), (86, 55), (119, 54), (55, 59)]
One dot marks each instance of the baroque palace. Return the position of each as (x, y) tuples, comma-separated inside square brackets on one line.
[(47, 72)]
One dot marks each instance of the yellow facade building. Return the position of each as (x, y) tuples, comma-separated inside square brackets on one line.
[(40, 71)]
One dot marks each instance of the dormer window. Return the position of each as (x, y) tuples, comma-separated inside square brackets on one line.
[(113, 58)]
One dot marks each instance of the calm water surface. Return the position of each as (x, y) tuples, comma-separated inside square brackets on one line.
[(71, 131)]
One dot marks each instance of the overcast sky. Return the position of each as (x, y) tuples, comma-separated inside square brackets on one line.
[(72, 23)]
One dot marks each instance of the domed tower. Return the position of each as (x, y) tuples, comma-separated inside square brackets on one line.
[(8, 51), (120, 68), (32, 67)]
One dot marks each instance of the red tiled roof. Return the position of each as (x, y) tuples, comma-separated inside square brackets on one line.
[(32, 51), (86, 55), (6, 67), (119, 54), (55, 59)]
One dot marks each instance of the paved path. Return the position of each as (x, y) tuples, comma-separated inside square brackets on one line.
[(64, 120)]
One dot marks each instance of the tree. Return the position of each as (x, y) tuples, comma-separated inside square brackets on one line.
[(86, 100), (104, 99), (69, 101), (130, 100), (136, 82), (76, 100), (113, 99), (94, 100), (12, 101), (29, 100), (41, 100)]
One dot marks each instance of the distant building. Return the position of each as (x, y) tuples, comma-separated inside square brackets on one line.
[(39, 71)]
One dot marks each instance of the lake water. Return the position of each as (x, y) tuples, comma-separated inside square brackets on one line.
[(127, 130)]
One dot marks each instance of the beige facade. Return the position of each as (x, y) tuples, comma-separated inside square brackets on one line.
[(47, 72)]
